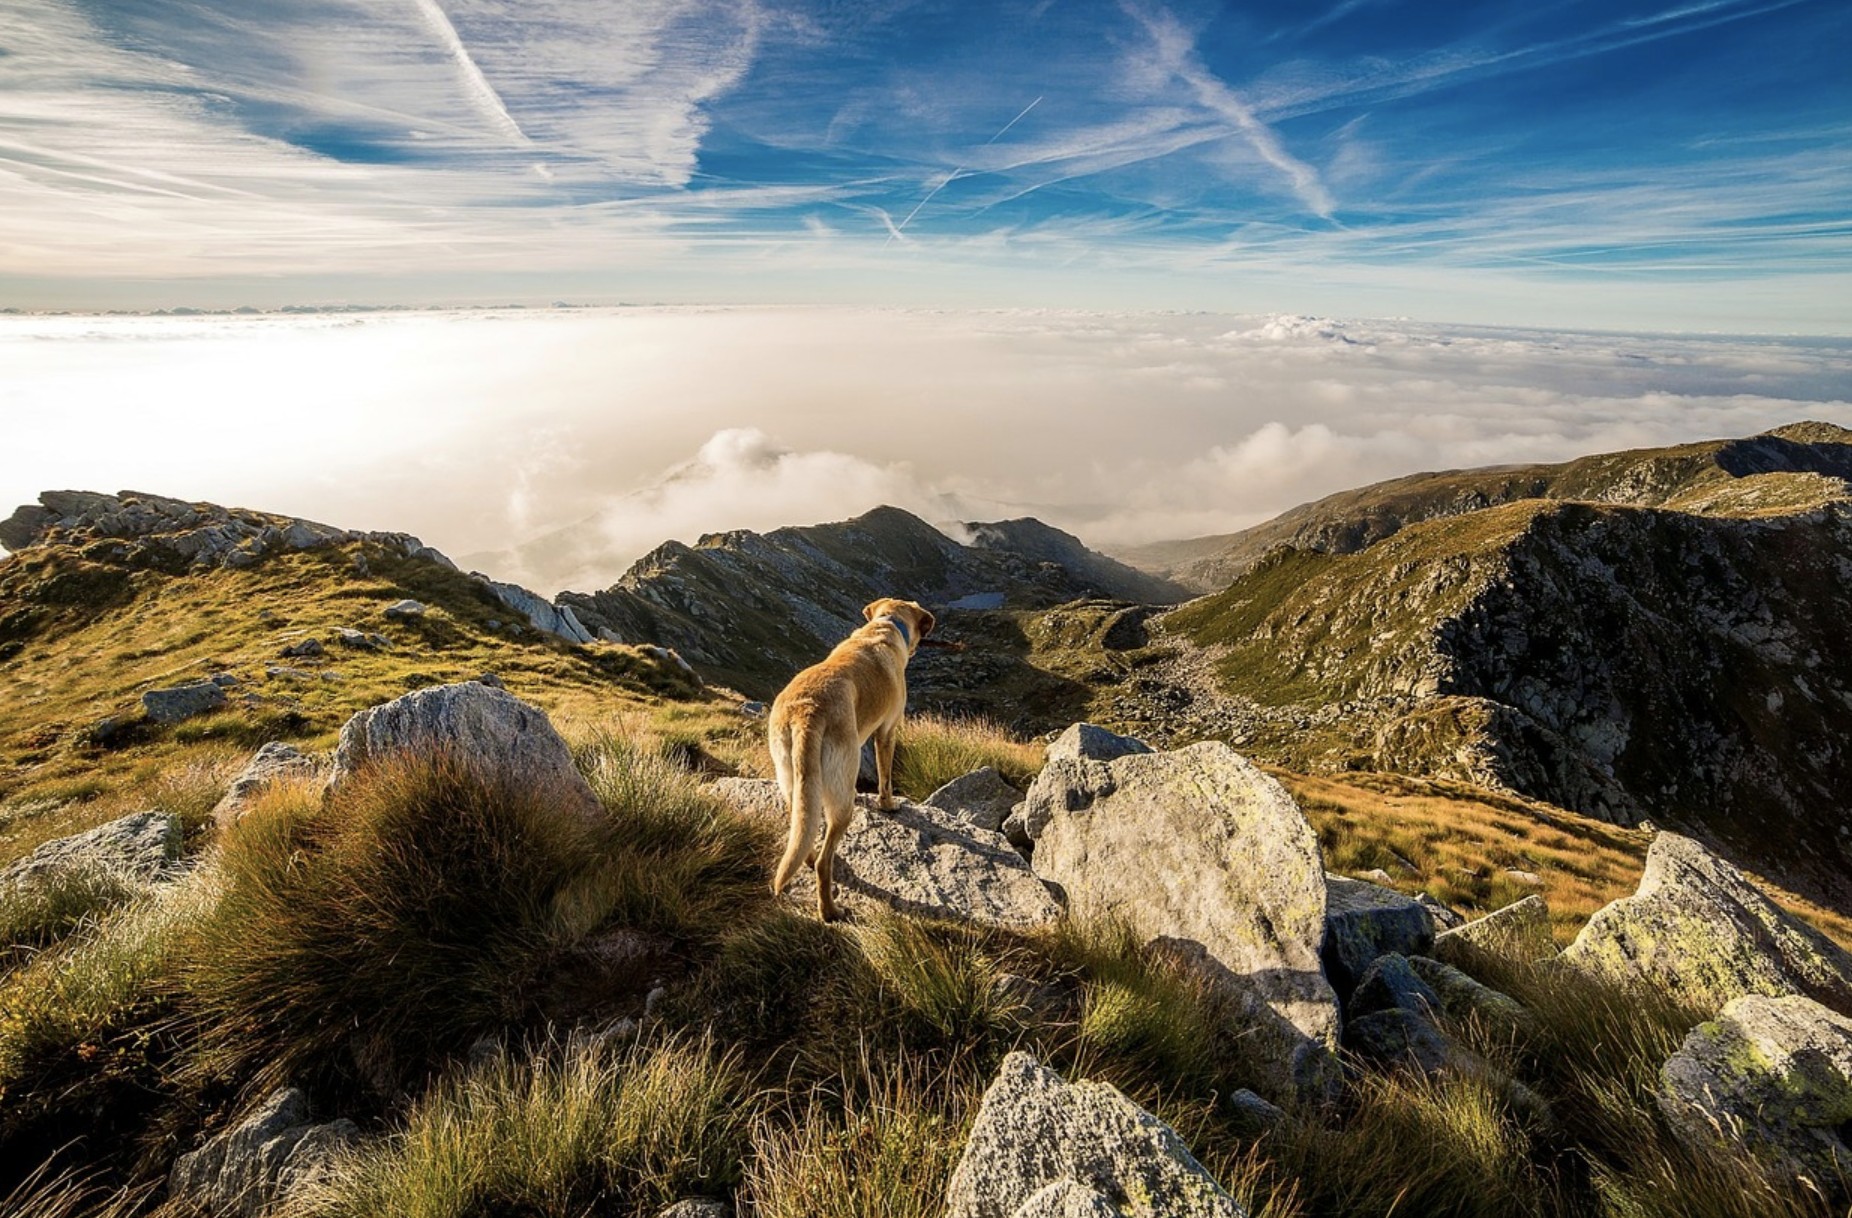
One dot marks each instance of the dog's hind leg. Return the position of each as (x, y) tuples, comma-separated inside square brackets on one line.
[(839, 819)]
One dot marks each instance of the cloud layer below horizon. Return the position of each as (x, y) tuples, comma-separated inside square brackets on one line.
[(556, 447)]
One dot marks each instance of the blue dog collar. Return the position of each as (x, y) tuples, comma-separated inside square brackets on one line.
[(906, 638)]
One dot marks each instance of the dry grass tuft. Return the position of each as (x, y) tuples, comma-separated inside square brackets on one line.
[(934, 749)]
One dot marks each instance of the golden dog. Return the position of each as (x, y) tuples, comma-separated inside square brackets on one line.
[(819, 723)]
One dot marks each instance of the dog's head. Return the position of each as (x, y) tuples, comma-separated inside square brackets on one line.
[(917, 621)]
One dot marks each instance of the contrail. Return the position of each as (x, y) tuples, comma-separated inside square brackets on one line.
[(895, 231), (487, 99)]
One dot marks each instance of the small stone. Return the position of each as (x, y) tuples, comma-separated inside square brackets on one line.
[(1389, 984), (697, 1207), (274, 762), (224, 680), (300, 650), (1253, 1111), (753, 710), (404, 611)]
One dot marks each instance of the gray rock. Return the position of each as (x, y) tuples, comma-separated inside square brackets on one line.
[(489, 731), (136, 850), (224, 680), (253, 1166), (1390, 984), (182, 701), (361, 640), (1400, 1037), (273, 762), (1090, 742), (697, 1207), (753, 710), (1445, 917), (981, 797), (1364, 921), (1774, 1074), (557, 620), (1699, 929), (404, 611), (1200, 846), (306, 647), (1462, 997), (1520, 930), (1034, 1131), (917, 860), (1254, 1111), (1067, 1199), (1015, 826)]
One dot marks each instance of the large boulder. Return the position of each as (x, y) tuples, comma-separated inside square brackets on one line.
[(1364, 921), (129, 852), (257, 1163), (1074, 772), (981, 797), (1045, 1148), (1200, 846), (488, 731), (917, 860), (1697, 928), (273, 763), (1090, 742), (1774, 1074)]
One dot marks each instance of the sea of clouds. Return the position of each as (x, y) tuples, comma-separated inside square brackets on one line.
[(554, 447)]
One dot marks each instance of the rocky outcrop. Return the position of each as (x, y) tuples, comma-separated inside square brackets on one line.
[(980, 798), (179, 702), (917, 860), (137, 529), (1097, 575), (543, 615), (131, 851), (1364, 921), (1698, 929), (487, 731), (1774, 1074), (274, 762), (1200, 846), (1042, 1147), (750, 609), (253, 1166)]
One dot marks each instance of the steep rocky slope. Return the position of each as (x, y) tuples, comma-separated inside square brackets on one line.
[(1716, 475), (1628, 662), (752, 608)]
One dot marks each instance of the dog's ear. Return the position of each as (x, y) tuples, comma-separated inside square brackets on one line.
[(926, 623), (869, 610)]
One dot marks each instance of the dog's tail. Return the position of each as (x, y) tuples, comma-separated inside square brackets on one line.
[(806, 802)]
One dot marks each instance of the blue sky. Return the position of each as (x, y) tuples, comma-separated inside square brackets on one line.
[(1679, 164)]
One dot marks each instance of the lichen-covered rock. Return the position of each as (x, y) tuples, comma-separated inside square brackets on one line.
[(1520, 930), (1075, 772), (917, 860), (251, 1167), (981, 798), (1200, 846), (404, 610), (1462, 998), (1697, 928), (488, 731), (179, 702), (1398, 1036), (134, 850), (1364, 921), (274, 762), (697, 1207), (1034, 1130), (1774, 1074)]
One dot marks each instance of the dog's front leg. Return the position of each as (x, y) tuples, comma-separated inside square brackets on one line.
[(885, 738)]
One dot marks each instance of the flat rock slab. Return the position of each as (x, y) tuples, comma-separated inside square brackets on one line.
[(183, 701), (1520, 930), (1042, 1147), (488, 731), (1775, 1074), (917, 860), (981, 797), (137, 849), (1699, 929), (251, 1167), (1199, 846), (275, 762)]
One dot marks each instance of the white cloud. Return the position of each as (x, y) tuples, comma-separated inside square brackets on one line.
[(598, 434)]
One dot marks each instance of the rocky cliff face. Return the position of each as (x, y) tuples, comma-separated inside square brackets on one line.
[(753, 608), (1684, 663), (1696, 477)]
